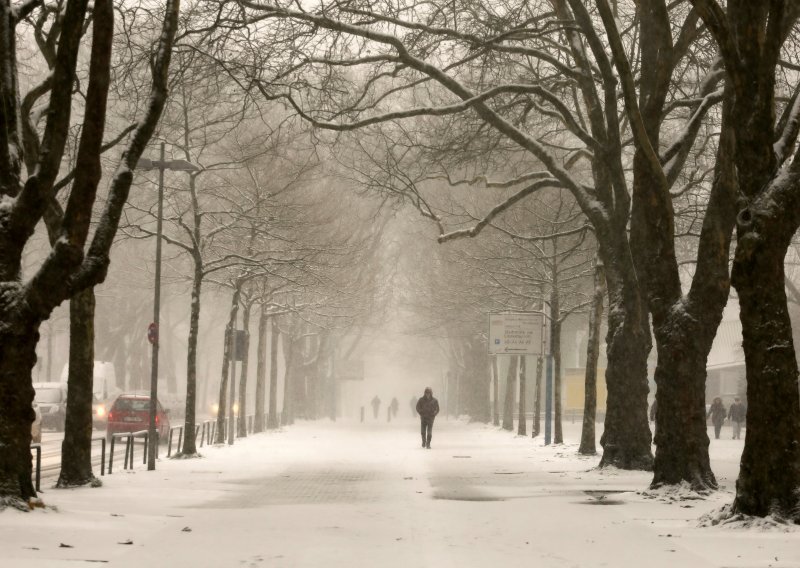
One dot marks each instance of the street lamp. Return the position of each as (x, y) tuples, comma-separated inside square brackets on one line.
[(152, 335)]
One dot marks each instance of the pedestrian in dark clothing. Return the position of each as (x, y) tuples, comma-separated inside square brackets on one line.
[(717, 414), (427, 408), (653, 412), (413, 403), (737, 414), (394, 405), (376, 405)]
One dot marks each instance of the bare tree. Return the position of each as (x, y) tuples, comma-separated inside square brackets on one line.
[(751, 38), (69, 268)]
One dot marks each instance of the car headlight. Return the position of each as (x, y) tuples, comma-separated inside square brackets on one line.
[(101, 411)]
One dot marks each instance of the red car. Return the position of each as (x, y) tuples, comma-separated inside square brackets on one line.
[(131, 413)]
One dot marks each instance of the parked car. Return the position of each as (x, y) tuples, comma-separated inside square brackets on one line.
[(131, 413), (36, 425), (52, 401)]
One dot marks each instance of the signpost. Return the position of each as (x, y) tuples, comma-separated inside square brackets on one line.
[(525, 333), (518, 333)]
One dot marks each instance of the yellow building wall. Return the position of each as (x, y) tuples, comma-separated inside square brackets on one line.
[(575, 389)]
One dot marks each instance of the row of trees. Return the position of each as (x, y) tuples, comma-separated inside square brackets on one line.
[(254, 218), (628, 107), (619, 140)]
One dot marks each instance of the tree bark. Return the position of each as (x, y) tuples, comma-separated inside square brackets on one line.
[(626, 435), (76, 449), (17, 358), (242, 421), (537, 399), (222, 410), (272, 416), (587, 446), (222, 399), (261, 371), (521, 426), (769, 474), (508, 407), (555, 350), (190, 420)]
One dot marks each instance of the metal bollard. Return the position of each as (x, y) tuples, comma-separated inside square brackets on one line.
[(38, 448), (102, 456), (111, 456)]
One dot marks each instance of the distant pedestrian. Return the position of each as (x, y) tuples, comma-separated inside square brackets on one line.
[(376, 406), (413, 403), (393, 406), (653, 413), (427, 408), (737, 414), (717, 414)]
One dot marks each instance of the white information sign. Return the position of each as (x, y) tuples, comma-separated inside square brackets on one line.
[(518, 333)]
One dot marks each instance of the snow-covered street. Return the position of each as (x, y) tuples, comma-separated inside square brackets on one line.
[(348, 494)]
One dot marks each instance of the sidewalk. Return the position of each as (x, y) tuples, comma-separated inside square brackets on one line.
[(353, 495)]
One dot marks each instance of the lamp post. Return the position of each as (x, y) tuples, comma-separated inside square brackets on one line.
[(152, 335)]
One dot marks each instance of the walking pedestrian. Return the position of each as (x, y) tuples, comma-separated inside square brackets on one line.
[(394, 405), (413, 404), (376, 405), (427, 408), (737, 414), (653, 414), (717, 414)]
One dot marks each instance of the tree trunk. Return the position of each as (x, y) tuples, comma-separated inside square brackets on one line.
[(495, 392), (288, 378), (272, 416), (17, 358), (537, 399), (588, 446), (508, 407), (261, 371), (242, 422), (626, 436), (222, 401), (76, 449), (521, 426), (189, 439), (555, 350), (769, 474)]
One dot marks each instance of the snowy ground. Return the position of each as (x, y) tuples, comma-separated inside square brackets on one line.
[(352, 495)]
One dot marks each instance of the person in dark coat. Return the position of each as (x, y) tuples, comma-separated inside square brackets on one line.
[(427, 408), (736, 414), (394, 405), (376, 405), (653, 413), (717, 415)]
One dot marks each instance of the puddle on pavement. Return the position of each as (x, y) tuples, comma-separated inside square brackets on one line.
[(601, 497)]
